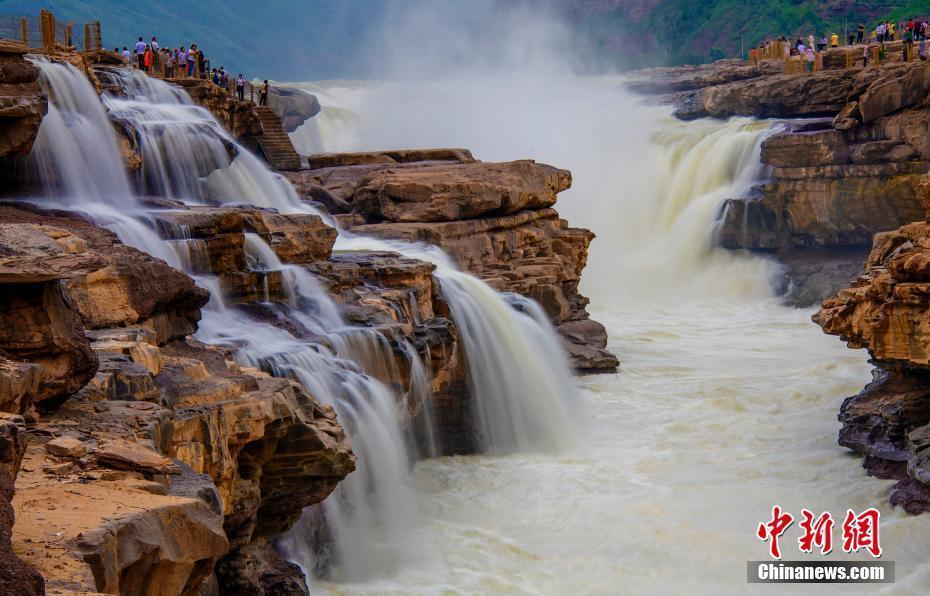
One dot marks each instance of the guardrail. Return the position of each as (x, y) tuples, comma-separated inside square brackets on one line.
[(46, 34), (161, 69)]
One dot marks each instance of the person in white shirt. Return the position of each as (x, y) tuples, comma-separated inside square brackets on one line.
[(140, 53), (126, 53)]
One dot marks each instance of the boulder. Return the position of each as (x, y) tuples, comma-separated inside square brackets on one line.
[(294, 106), (68, 447), (461, 191), (22, 102)]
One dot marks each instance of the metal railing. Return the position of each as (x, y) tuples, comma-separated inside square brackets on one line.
[(872, 55), (165, 69), (46, 34)]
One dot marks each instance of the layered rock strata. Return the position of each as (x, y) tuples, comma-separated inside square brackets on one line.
[(844, 161), (22, 102), (887, 312), (182, 456), (494, 220)]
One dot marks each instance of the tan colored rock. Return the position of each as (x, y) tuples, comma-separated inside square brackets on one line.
[(126, 455), (460, 191), (113, 537), (66, 447), (330, 160), (22, 103), (113, 284), (13, 442)]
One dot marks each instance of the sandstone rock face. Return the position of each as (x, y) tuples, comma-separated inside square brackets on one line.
[(460, 191), (238, 117), (494, 220), (130, 287), (293, 106), (887, 311), (166, 436), (22, 103), (16, 576)]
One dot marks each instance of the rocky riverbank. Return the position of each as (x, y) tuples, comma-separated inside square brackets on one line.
[(845, 156), (143, 457), (848, 160)]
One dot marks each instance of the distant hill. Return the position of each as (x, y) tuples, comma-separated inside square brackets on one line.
[(674, 32), (277, 39), (326, 39)]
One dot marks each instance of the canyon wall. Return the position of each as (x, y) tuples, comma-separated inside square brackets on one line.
[(846, 183), (847, 149), (146, 461), (495, 220), (887, 312)]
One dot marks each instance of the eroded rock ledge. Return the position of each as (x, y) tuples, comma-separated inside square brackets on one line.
[(494, 219), (151, 457), (887, 312), (845, 157)]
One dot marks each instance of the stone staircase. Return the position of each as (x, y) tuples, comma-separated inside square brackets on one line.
[(274, 142)]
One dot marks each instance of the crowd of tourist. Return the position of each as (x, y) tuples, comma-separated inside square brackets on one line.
[(181, 62), (810, 50)]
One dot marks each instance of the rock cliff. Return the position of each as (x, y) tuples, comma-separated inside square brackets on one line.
[(152, 457), (146, 461), (494, 219), (22, 103), (887, 312), (845, 156)]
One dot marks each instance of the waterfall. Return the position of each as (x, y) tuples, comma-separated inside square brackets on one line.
[(364, 529), (650, 186)]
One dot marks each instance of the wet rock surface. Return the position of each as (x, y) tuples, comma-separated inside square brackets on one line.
[(494, 220), (886, 311), (22, 102)]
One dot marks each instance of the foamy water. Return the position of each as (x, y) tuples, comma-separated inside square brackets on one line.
[(726, 400), (719, 412)]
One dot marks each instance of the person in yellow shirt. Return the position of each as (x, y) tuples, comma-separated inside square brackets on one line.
[(891, 30), (834, 40)]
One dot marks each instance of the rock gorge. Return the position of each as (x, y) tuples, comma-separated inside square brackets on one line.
[(147, 461), (844, 208)]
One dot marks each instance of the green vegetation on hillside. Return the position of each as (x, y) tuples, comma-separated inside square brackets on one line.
[(324, 39), (684, 31)]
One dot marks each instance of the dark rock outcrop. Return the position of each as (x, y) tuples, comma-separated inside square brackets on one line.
[(22, 102), (887, 311), (293, 106)]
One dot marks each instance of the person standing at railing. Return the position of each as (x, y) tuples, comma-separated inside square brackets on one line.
[(169, 63), (240, 86), (860, 33), (140, 53), (156, 53), (823, 44), (126, 54), (263, 94), (192, 60), (182, 62), (147, 59), (834, 40)]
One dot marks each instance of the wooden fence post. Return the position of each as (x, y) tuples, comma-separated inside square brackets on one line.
[(86, 37), (51, 32), (69, 35)]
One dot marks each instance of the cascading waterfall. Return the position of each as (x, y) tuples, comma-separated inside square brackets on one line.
[(187, 155), (658, 181)]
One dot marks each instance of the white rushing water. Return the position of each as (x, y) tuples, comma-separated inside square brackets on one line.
[(726, 400), (365, 530)]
